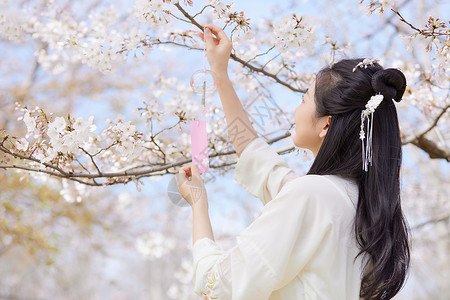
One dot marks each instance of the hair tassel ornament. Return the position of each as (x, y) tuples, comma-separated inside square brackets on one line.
[(366, 138)]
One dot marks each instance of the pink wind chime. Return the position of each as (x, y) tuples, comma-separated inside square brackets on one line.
[(203, 82)]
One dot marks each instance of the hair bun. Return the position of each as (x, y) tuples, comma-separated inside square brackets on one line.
[(391, 83)]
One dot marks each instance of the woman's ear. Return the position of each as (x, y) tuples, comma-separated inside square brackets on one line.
[(325, 125)]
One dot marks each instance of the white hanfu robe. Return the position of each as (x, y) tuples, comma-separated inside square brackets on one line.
[(301, 246)]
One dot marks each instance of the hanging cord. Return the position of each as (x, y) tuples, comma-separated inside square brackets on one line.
[(204, 69), (200, 115)]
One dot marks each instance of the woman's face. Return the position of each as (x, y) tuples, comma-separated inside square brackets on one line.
[(309, 130)]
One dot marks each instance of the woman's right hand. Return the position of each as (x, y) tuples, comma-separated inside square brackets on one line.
[(218, 48)]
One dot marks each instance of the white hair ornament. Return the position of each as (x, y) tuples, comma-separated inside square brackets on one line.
[(365, 63), (366, 139)]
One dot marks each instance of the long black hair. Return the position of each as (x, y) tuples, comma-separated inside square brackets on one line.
[(380, 227)]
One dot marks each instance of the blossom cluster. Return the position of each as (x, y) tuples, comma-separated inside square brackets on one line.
[(127, 137), (220, 8), (292, 34), (152, 12), (99, 44), (379, 7), (94, 43), (226, 13), (51, 139), (68, 138), (62, 137)]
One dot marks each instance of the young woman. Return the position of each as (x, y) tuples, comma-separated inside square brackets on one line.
[(337, 232)]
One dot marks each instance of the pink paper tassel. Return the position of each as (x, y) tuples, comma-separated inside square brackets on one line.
[(199, 145)]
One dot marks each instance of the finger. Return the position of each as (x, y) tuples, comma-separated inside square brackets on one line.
[(217, 31), (186, 170), (194, 170), (209, 39), (203, 33), (200, 35)]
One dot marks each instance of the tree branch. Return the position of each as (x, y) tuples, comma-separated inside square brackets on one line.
[(425, 33), (427, 145), (431, 148), (120, 177), (444, 110), (241, 61)]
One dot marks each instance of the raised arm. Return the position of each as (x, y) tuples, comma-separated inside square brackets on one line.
[(260, 170), (218, 48), (240, 129)]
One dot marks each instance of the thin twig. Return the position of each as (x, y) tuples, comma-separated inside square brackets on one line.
[(199, 13), (261, 54), (92, 160), (241, 61), (436, 120)]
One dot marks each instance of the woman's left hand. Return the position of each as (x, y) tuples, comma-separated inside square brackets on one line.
[(191, 186)]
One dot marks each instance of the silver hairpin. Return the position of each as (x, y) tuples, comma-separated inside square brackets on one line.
[(365, 63)]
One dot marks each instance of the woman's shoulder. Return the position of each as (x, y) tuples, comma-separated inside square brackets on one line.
[(324, 190)]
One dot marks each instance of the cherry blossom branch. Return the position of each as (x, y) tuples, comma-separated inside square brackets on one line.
[(241, 61), (188, 16), (433, 26), (116, 177), (245, 64), (22, 157), (178, 18), (48, 173), (387, 21), (268, 74)]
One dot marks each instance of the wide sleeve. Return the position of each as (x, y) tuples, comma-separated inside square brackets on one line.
[(270, 252), (261, 171)]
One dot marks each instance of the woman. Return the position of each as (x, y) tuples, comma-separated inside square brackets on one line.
[(337, 232)]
